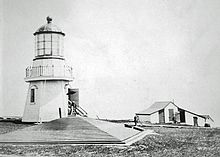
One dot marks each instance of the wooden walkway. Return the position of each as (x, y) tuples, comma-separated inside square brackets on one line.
[(72, 130)]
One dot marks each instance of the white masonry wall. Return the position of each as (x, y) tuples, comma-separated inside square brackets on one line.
[(154, 118), (50, 96), (144, 118), (189, 119)]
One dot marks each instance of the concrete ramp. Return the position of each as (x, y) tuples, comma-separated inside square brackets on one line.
[(114, 129), (72, 130)]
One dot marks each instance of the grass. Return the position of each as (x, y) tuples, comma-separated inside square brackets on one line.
[(6, 127), (170, 142)]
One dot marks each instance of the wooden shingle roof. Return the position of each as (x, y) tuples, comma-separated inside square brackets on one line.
[(162, 104), (155, 107)]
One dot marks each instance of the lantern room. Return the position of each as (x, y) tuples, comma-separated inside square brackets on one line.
[(49, 61), (49, 41)]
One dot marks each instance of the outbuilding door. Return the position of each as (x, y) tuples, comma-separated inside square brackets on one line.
[(195, 121), (171, 115), (161, 116), (182, 116)]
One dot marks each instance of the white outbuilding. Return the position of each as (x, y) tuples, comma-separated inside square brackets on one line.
[(167, 112)]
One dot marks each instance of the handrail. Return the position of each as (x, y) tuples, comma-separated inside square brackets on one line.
[(82, 109), (79, 109), (81, 113), (37, 71)]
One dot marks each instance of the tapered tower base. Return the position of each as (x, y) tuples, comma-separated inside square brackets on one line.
[(46, 101)]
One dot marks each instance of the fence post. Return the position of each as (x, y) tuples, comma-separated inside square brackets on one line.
[(40, 69), (52, 70), (64, 70)]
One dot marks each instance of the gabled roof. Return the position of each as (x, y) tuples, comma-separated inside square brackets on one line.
[(156, 107), (207, 117)]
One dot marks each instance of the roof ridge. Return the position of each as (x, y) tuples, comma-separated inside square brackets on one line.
[(162, 101), (156, 106)]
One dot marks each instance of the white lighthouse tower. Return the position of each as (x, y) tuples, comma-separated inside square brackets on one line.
[(48, 77)]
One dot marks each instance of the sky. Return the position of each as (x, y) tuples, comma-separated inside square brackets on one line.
[(125, 54)]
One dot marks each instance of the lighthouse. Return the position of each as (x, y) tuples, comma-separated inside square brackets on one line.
[(49, 77)]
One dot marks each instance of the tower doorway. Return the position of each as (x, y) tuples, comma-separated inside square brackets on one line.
[(73, 95), (73, 101)]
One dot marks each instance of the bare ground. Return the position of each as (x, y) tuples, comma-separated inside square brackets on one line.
[(170, 142)]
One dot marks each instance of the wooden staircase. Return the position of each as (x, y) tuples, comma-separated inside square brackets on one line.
[(76, 110)]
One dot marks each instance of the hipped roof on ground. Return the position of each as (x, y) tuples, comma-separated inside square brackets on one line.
[(74, 130)]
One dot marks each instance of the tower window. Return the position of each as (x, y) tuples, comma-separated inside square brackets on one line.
[(32, 95)]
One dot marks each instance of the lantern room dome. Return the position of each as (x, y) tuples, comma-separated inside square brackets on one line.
[(49, 28)]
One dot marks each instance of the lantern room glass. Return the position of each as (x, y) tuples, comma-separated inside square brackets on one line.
[(48, 44)]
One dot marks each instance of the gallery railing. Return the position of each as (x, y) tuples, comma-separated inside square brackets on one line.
[(49, 71)]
